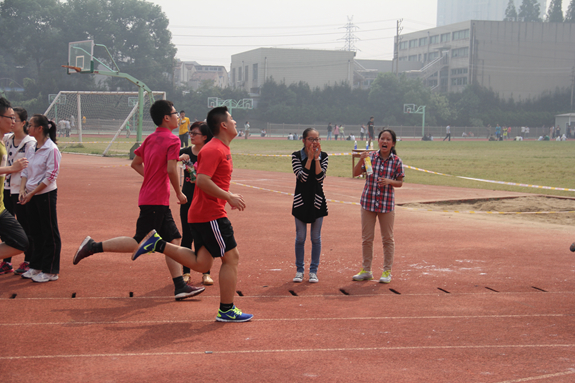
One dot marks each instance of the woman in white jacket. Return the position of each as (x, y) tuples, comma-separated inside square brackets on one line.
[(38, 192), (18, 145)]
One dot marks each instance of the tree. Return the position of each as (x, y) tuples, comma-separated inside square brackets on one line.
[(510, 12), (134, 31), (570, 15), (529, 10), (555, 12)]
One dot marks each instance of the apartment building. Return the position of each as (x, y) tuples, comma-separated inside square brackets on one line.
[(192, 74), (517, 60), (455, 11)]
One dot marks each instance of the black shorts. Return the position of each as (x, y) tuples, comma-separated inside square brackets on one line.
[(216, 236), (11, 232), (159, 218)]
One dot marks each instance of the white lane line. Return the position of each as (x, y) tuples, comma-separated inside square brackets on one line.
[(465, 317), (539, 377), (346, 349)]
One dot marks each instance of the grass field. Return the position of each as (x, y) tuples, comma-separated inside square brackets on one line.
[(544, 163)]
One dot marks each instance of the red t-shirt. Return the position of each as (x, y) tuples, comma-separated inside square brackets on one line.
[(215, 161), (156, 150)]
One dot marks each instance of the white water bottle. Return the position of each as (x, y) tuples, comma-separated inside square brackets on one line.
[(371, 146), (355, 144)]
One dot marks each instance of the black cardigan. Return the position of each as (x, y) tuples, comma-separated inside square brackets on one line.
[(309, 200)]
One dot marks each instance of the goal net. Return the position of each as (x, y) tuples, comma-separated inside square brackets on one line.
[(106, 122)]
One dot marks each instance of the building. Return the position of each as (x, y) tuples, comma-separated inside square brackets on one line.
[(517, 60), (191, 74), (366, 71), (319, 68), (455, 11)]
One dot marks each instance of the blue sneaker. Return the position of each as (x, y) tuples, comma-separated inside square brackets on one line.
[(233, 315), (148, 244)]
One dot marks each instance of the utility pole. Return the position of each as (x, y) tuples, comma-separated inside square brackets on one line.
[(572, 86)]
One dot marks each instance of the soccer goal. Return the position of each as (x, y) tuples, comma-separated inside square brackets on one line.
[(99, 114)]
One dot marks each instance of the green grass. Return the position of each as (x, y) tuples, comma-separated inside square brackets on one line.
[(545, 163)]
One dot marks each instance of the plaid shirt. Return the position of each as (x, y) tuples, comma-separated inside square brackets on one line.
[(381, 199)]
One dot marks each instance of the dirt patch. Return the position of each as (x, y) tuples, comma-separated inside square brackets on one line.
[(560, 211)]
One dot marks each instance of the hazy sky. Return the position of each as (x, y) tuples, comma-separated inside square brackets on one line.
[(210, 32)]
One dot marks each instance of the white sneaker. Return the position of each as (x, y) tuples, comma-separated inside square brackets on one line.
[(45, 277), (31, 273), (385, 277), (313, 278), (363, 276), (298, 277)]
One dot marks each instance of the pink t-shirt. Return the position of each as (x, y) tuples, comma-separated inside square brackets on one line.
[(214, 160), (156, 150)]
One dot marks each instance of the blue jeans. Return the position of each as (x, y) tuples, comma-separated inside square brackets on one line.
[(300, 235), (329, 135)]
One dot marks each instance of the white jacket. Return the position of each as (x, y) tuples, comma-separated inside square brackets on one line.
[(26, 149), (43, 167)]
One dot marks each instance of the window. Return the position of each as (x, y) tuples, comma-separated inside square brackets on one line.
[(413, 43), (455, 72), (434, 39), (412, 58), (460, 52), (403, 58), (423, 41), (246, 72), (403, 45), (460, 35), (459, 81), (433, 56), (240, 74), (445, 37), (255, 73), (234, 76)]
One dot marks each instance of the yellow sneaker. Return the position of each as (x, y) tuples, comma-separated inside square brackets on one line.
[(385, 277), (363, 276)]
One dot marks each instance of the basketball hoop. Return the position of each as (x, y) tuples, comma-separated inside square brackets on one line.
[(76, 68)]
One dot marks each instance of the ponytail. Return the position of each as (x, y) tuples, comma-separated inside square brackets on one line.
[(48, 126), (52, 132)]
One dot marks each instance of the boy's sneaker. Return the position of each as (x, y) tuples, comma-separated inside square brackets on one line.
[(31, 273), (148, 244), (363, 276), (233, 315), (188, 291), (298, 277), (207, 280), (313, 278), (385, 277), (84, 251), (572, 248), (24, 266), (44, 277), (5, 268)]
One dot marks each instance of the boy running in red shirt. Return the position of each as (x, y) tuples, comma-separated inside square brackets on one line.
[(212, 231), (157, 161)]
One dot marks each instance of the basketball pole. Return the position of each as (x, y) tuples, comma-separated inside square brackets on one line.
[(117, 73), (409, 108)]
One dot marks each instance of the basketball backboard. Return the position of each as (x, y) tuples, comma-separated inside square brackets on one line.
[(409, 108), (81, 55)]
